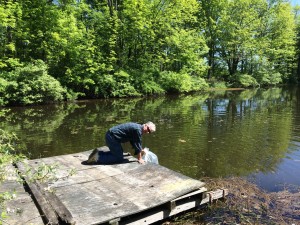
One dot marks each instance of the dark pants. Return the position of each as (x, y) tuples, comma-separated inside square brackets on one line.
[(115, 155)]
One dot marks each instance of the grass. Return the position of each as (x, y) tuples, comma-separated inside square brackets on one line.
[(246, 203)]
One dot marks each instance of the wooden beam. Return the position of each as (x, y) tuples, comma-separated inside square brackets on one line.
[(183, 203), (211, 196), (172, 205), (48, 202), (60, 209)]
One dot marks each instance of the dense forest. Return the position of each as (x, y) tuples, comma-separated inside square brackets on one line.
[(55, 50)]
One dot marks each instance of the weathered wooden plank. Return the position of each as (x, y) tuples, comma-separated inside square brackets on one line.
[(66, 162), (185, 203), (43, 204), (21, 209), (78, 178), (49, 197), (73, 161), (166, 181), (83, 176), (214, 195), (11, 186), (83, 173), (100, 200), (59, 208), (202, 190), (128, 167), (93, 204), (124, 193)]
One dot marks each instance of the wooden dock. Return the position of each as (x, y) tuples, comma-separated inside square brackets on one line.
[(127, 193), (20, 209)]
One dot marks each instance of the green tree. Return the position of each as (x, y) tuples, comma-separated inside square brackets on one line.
[(35, 26), (297, 18), (210, 14), (10, 12), (73, 56), (238, 26), (135, 47), (281, 49), (251, 37)]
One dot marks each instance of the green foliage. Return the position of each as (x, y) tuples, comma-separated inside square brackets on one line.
[(42, 173), (30, 84), (124, 89), (150, 87), (10, 11), (119, 84), (214, 83), (296, 76), (241, 34), (7, 150), (146, 82), (266, 75), (181, 82), (3, 95), (173, 82), (271, 78), (123, 85), (246, 80), (85, 44), (198, 84)]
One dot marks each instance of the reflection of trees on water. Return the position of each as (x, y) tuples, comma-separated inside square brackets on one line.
[(53, 126), (215, 134), (36, 124), (252, 135)]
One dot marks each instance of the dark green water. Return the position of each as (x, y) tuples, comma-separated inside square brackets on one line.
[(251, 133)]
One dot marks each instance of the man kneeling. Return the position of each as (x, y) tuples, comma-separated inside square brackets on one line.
[(122, 133)]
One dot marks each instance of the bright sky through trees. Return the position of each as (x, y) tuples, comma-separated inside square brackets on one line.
[(295, 2)]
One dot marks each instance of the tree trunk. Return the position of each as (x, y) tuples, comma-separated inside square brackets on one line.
[(298, 68), (232, 65), (210, 61)]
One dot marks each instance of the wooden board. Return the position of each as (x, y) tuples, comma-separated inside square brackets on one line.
[(101, 193), (21, 209)]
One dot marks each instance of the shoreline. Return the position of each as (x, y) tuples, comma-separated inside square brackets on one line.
[(246, 203)]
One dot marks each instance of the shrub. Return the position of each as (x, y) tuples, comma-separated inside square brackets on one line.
[(151, 87), (246, 80), (214, 83), (267, 75), (272, 78), (169, 81), (30, 84), (3, 86), (145, 81), (7, 150), (198, 84), (118, 84), (181, 82)]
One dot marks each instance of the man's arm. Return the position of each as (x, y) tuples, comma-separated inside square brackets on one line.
[(139, 156)]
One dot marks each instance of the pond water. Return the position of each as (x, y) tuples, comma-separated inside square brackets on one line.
[(250, 133)]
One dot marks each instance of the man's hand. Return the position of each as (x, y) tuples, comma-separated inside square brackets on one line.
[(141, 161), (139, 156)]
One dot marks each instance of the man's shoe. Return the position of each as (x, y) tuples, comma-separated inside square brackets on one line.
[(93, 157), (126, 154)]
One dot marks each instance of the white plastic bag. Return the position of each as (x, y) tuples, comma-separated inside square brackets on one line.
[(149, 156)]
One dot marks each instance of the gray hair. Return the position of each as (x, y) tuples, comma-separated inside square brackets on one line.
[(151, 126)]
